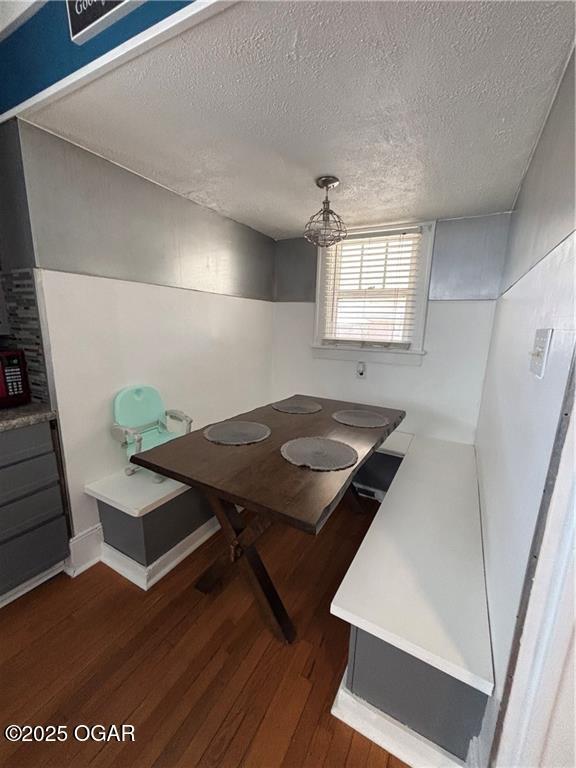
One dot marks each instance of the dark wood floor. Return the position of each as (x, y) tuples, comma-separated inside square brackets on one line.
[(200, 677)]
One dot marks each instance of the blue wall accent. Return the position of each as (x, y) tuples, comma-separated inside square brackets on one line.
[(40, 53)]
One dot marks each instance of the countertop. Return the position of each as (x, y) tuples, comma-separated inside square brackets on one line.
[(25, 416)]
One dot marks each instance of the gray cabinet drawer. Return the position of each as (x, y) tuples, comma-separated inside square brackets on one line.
[(27, 477), (25, 443), (30, 512), (26, 556)]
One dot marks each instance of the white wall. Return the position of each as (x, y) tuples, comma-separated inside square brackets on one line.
[(207, 353), (559, 746), (516, 430), (538, 728), (441, 397), (519, 412)]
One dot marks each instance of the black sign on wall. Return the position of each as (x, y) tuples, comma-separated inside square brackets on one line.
[(88, 17)]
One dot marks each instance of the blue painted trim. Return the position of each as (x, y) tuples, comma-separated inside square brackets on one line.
[(40, 53)]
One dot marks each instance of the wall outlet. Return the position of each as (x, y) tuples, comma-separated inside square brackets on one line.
[(360, 370), (539, 354)]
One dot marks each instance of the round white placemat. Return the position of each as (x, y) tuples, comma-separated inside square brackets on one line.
[(319, 453), (360, 418), (297, 405), (237, 432)]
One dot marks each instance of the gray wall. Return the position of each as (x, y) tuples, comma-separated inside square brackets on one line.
[(468, 257), (295, 270), (16, 249), (90, 216), (93, 217), (544, 212), (467, 261)]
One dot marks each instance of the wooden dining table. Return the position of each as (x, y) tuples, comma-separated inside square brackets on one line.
[(258, 478)]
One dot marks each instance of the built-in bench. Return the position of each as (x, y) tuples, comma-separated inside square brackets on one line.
[(420, 662), (149, 526)]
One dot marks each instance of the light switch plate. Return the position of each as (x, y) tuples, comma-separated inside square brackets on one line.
[(539, 354)]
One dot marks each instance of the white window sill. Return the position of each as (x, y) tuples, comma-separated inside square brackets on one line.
[(366, 355)]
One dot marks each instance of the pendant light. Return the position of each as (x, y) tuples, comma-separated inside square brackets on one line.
[(325, 228)]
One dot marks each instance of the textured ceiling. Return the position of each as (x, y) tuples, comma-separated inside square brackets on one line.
[(12, 13), (424, 110)]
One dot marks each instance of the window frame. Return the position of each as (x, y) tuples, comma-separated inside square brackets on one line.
[(374, 350)]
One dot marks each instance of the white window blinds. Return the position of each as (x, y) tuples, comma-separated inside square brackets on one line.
[(370, 290)]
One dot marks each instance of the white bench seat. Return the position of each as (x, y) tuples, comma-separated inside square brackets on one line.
[(396, 444), (136, 494), (417, 581)]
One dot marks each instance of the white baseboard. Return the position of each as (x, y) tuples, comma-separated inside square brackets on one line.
[(394, 737), (35, 581), (145, 576), (85, 551), (474, 758), (125, 566)]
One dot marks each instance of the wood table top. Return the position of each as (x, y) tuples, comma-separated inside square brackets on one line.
[(257, 477)]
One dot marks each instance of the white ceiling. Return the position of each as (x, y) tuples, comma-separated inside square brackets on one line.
[(424, 109), (13, 13)]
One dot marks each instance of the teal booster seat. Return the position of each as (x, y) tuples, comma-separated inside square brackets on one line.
[(141, 421)]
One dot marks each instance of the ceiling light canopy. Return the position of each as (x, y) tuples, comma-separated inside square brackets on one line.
[(325, 228)]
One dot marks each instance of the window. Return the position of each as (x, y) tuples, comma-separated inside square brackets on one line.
[(372, 290)]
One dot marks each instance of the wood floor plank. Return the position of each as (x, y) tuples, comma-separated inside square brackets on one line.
[(394, 762), (199, 676), (358, 752), (340, 744), (231, 742), (272, 738), (166, 711), (378, 757), (204, 721), (86, 634), (48, 605), (322, 688), (178, 659)]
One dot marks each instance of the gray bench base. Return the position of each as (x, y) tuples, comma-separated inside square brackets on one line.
[(442, 709), (146, 538), (393, 736), (145, 548)]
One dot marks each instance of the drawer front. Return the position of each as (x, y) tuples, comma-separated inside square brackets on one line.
[(33, 552), (25, 443), (30, 512), (27, 477)]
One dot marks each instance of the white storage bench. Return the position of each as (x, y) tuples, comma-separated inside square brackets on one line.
[(149, 527), (415, 597)]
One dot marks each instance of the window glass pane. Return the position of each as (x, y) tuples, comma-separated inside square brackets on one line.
[(369, 289)]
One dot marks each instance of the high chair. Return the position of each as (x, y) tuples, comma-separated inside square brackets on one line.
[(140, 421)]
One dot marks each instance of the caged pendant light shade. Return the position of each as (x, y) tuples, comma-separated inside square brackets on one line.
[(325, 228)]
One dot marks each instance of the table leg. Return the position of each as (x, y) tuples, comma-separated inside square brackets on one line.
[(248, 559), (353, 498)]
